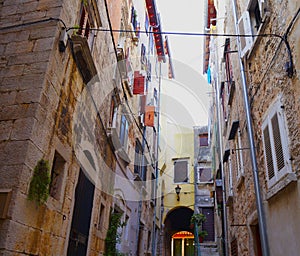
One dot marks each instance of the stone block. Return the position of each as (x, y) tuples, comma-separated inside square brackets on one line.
[(12, 71), (9, 10), (34, 15), (16, 241), (22, 128), (5, 129), (45, 31), (35, 68), (43, 44), (34, 154), (14, 152), (30, 57), (14, 36), (33, 241), (17, 111), (28, 96), (54, 12), (7, 98), (16, 48), (10, 175), (21, 82)]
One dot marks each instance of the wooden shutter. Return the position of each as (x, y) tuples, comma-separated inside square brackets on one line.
[(180, 171), (149, 116), (244, 24), (268, 153), (138, 83), (277, 142)]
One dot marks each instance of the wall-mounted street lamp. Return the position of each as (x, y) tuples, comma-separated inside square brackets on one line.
[(177, 189)]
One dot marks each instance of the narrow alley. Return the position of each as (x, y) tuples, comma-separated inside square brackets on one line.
[(149, 127)]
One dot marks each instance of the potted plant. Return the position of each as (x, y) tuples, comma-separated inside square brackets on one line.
[(197, 220)]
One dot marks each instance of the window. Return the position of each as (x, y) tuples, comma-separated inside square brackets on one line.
[(101, 218), (229, 74), (228, 66), (203, 139), (255, 15), (135, 23), (57, 176), (124, 131), (113, 112), (223, 102), (138, 159), (143, 55), (250, 23), (180, 171), (86, 22), (275, 142), (229, 176), (238, 155), (204, 175)]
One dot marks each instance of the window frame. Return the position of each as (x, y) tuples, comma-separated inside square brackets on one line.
[(124, 129), (187, 171), (88, 21), (251, 22), (57, 178), (201, 139), (202, 167), (276, 109), (239, 155)]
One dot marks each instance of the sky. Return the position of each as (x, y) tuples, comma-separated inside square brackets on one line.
[(188, 93)]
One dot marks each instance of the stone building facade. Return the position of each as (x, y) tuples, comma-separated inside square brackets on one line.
[(271, 68), (68, 97)]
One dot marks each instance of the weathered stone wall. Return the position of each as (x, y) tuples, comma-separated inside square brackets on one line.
[(266, 79), (40, 89)]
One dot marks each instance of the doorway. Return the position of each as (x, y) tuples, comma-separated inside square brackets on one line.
[(80, 227)]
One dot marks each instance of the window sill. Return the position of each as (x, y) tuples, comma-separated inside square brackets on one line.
[(83, 58), (205, 182), (286, 180)]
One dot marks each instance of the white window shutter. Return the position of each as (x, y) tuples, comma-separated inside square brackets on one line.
[(275, 141), (245, 29), (261, 4), (268, 152)]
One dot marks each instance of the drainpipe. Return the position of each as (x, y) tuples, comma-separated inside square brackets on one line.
[(259, 205), (156, 164), (220, 142)]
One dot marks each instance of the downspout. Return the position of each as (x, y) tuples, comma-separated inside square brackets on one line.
[(156, 164), (141, 195), (196, 238), (259, 205), (220, 142)]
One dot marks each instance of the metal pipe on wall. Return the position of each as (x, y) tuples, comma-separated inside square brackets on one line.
[(259, 205)]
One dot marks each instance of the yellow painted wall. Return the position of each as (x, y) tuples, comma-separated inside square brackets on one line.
[(177, 142)]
